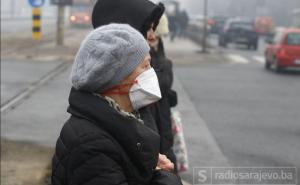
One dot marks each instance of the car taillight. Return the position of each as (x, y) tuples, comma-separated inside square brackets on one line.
[(73, 18)]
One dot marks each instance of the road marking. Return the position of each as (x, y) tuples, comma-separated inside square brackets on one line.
[(259, 59), (234, 58)]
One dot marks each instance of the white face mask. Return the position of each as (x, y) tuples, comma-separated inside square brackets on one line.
[(145, 91)]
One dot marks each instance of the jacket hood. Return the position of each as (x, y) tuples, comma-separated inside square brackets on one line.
[(140, 143), (137, 13)]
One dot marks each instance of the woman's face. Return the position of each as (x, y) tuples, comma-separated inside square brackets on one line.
[(143, 66), (126, 84), (151, 38)]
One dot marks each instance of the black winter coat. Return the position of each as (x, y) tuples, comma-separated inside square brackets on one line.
[(161, 110), (100, 146)]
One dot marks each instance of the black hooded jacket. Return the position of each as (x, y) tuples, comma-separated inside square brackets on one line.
[(100, 146), (137, 13), (161, 110)]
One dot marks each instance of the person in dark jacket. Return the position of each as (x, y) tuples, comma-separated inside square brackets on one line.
[(161, 110), (105, 141), (144, 16), (183, 21)]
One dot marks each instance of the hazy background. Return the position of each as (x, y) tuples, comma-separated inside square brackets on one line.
[(281, 10)]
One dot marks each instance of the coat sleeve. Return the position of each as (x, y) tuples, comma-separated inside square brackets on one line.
[(93, 167), (162, 177)]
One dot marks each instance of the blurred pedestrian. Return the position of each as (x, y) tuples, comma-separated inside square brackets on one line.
[(174, 26), (105, 141), (162, 109), (183, 20)]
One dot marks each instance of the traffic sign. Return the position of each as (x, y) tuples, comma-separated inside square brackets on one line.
[(36, 3), (62, 2)]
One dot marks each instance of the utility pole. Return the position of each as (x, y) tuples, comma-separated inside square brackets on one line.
[(205, 27), (60, 25)]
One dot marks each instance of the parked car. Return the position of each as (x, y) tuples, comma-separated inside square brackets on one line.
[(283, 50), (217, 24), (239, 32)]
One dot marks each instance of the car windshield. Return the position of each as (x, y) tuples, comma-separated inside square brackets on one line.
[(242, 25), (79, 8), (293, 39)]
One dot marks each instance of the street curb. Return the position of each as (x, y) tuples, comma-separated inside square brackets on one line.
[(203, 150)]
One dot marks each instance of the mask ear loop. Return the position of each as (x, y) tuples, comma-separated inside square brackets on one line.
[(117, 89)]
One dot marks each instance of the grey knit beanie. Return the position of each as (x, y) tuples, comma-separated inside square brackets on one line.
[(107, 56)]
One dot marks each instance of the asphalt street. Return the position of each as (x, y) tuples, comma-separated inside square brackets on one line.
[(253, 114), (18, 75)]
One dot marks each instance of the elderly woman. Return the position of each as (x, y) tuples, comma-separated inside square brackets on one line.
[(105, 141), (144, 16)]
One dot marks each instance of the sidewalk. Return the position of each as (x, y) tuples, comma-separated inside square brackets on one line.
[(203, 151)]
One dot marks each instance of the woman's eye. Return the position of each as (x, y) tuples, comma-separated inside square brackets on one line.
[(147, 66)]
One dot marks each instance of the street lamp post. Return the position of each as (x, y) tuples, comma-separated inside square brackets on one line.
[(205, 27), (60, 25)]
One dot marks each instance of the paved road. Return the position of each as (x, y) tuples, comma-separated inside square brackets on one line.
[(41, 111), (19, 75), (40, 117), (253, 114)]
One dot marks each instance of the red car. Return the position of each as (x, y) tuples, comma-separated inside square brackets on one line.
[(80, 13), (283, 50), (80, 19)]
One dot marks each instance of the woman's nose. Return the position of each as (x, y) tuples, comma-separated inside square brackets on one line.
[(151, 34)]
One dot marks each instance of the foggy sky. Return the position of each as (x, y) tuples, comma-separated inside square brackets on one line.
[(224, 6), (279, 10)]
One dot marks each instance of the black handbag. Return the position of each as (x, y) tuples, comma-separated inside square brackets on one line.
[(172, 97)]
